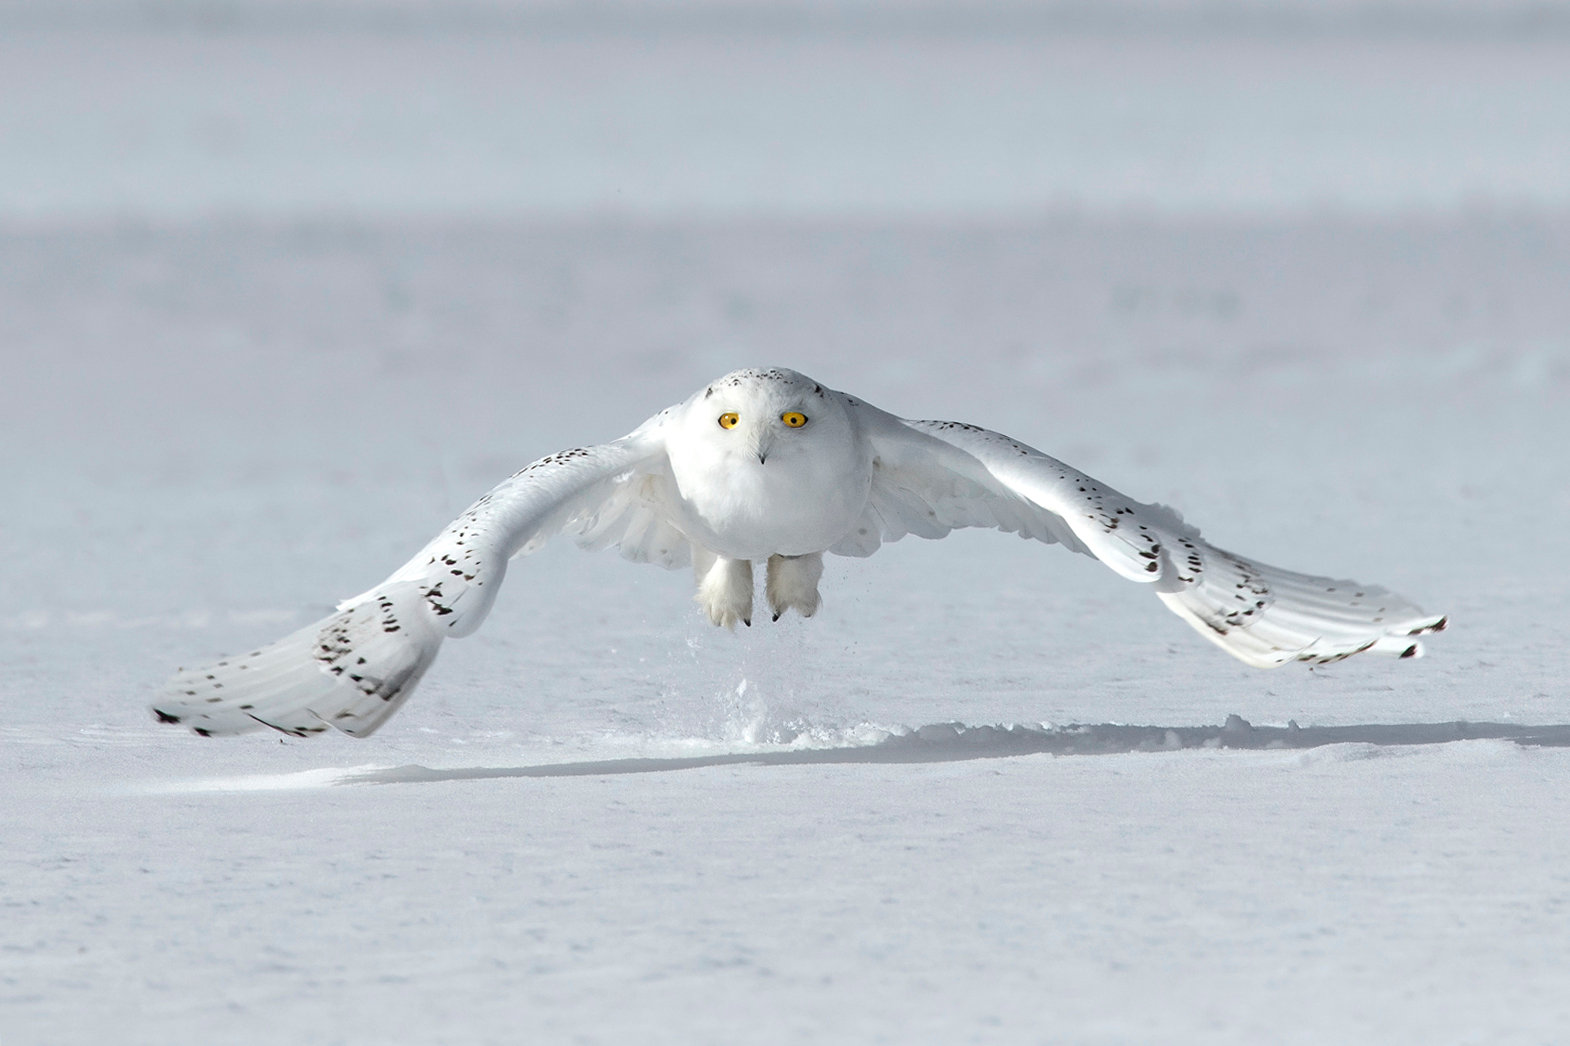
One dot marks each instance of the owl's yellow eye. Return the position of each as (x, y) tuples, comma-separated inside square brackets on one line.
[(728, 420), (793, 419)]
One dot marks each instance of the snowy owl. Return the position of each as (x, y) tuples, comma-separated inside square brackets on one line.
[(771, 467)]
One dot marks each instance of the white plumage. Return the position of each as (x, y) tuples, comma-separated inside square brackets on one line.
[(772, 467)]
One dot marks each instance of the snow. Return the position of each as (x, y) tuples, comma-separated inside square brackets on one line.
[(991, 793)]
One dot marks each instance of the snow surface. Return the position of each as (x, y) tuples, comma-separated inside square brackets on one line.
[(234, 391)]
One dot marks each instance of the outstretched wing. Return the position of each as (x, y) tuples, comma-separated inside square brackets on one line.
[(931, 477), (353, 669)]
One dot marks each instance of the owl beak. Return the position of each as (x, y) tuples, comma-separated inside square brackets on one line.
[(762, 443)]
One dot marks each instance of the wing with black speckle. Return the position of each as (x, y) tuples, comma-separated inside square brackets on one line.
[(349, 671), (353, 669), (934, 476)]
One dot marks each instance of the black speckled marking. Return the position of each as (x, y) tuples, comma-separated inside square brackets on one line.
[(337, 654), (1251, 596), (433, 597)]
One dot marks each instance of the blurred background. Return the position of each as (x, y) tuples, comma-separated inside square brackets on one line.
[(191, 109), (284, 285)]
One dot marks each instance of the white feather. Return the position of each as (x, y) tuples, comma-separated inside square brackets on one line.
[(350, 671), (1262, 615)]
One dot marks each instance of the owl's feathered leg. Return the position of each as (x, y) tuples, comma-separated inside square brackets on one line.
[(724, 588), (792, 581)]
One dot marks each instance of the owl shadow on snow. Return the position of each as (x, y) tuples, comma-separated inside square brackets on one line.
[(957, 742)]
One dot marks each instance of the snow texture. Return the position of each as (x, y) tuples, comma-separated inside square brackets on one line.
[(262, 337)]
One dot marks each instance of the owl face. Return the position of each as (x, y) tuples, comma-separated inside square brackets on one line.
[(755, 417)]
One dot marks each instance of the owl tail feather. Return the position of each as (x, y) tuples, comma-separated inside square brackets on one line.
[(350, 671)]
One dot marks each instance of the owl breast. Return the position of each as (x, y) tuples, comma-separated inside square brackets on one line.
[(798, 501)]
